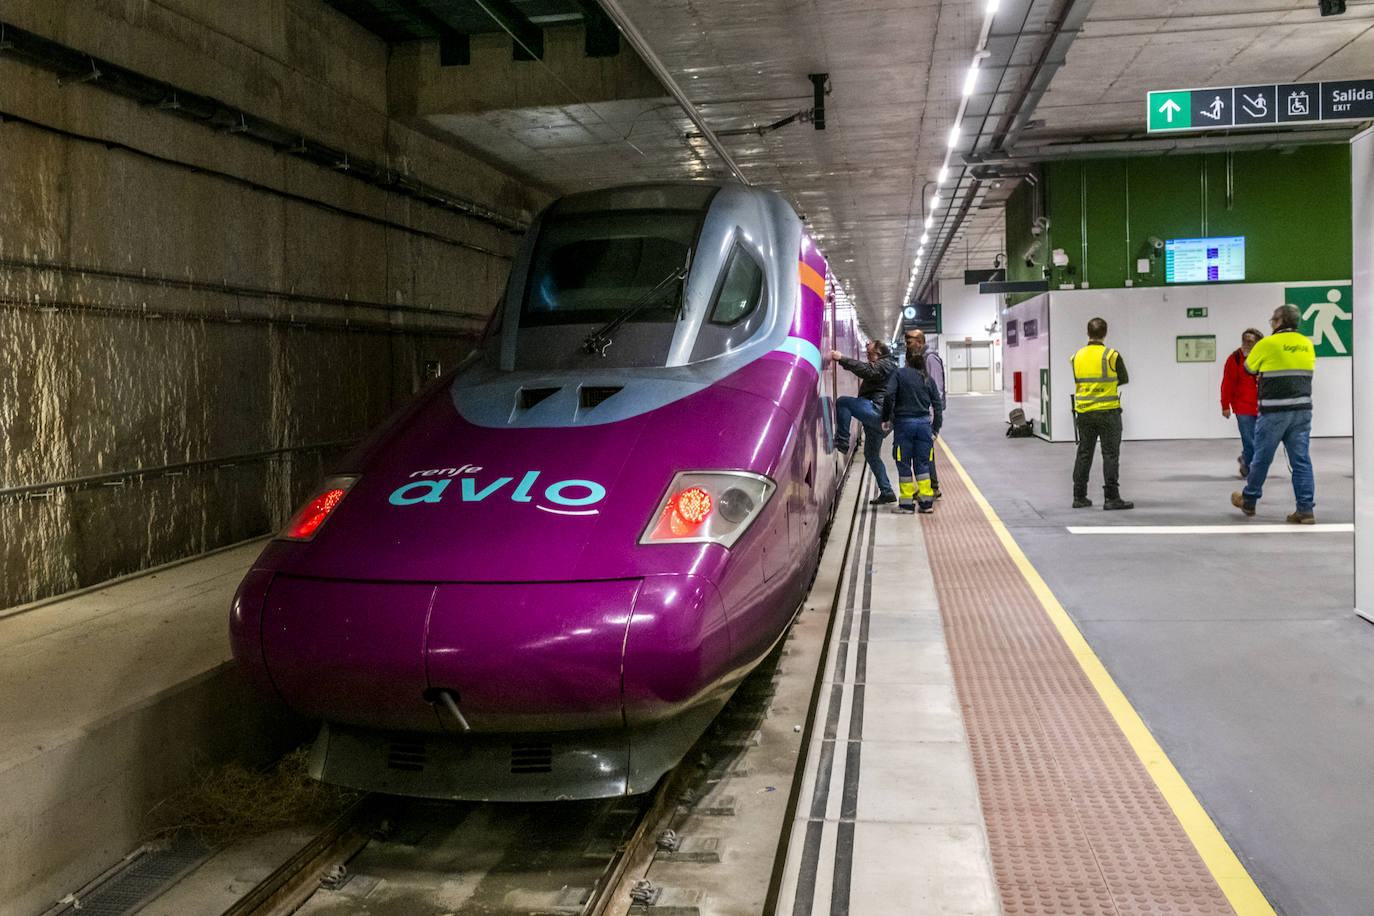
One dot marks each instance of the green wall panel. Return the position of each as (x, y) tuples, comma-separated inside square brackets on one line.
[(1293, 207)]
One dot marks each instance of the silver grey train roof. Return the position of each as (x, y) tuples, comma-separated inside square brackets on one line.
[(540, 376)]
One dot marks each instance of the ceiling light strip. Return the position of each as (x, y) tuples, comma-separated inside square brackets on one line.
[(646, 54), (943, 236)]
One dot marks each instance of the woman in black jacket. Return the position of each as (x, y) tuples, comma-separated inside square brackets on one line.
[(911, 408)]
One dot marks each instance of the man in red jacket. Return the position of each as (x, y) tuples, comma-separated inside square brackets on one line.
[(1240, 396)]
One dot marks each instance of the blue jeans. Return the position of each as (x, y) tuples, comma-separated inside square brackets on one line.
[(912, 443), (1293, 428), (864, 410), (1246, 423)]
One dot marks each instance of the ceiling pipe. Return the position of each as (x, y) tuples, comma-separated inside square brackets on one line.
[(1172, 144), (656, 66), (1047, 63), (1052, 57)]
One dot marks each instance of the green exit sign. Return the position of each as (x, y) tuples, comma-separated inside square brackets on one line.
[(1197, 313), (1171, 110)]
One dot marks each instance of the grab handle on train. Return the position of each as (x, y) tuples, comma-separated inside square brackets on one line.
[(446, 698)]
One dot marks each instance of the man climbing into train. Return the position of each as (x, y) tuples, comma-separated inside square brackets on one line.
[(867, 408)]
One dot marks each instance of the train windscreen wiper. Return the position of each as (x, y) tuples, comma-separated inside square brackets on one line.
[(597, 341)]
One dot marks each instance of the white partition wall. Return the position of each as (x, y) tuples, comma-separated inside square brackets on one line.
[(1362, 200), (1168, 398), (1029, 356), (966, 315)]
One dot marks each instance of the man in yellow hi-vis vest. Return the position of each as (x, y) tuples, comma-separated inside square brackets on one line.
[(1097, 373)]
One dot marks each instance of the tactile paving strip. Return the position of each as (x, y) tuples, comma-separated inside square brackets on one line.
[(1076, 826)]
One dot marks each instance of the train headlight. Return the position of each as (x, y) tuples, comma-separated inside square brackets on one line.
[(708, 507), (313, 514)]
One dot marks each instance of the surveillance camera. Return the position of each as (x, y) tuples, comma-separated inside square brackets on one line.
[(1030, 261), (1156, 243)]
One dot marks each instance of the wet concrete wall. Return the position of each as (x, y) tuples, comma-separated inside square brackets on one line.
[(194, 325)]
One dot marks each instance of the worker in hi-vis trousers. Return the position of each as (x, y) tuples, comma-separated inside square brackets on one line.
[(1098, 370), (911, 408)]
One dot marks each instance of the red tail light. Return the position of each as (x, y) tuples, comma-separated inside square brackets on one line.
[(690, 509), (708, 507), (313, 515)]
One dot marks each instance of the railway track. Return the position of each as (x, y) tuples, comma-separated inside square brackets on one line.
[(393, 855)]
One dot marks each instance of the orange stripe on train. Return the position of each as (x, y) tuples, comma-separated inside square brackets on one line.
[(811, 279)]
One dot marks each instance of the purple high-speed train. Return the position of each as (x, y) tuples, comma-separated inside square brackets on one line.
[(544, 577)]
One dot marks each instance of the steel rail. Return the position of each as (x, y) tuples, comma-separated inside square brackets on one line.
[(296, 879)]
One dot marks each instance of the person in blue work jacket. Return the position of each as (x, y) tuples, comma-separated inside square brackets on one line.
[(1284, 362), (935, 368), (912, 410)]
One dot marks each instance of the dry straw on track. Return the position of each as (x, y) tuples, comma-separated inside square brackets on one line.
[(233, 802)]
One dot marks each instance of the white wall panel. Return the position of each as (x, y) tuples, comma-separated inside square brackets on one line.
[(1167, 399), (967, 314), (1362, 198), (1028, 357)]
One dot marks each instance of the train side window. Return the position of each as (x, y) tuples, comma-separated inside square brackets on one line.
[(741, 290)]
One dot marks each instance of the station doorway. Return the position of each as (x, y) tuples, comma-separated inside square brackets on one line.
[(969, 367)]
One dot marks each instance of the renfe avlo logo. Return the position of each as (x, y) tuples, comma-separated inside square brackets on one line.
[(431, 490)]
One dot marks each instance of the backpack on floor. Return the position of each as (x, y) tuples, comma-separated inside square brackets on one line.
[(1020, 427)]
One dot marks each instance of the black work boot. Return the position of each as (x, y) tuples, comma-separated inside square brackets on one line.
[(1081, 502), (1116, 502)]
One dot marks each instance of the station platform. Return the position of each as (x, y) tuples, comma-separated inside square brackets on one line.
[(112, 698), (1027, 709), (1164, 710)]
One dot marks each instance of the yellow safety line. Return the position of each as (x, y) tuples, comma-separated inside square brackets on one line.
[(1235, 882)]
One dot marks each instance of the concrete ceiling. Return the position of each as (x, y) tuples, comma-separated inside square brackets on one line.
[(1057, 79)]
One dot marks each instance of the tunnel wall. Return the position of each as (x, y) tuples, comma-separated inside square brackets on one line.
[(194, 320)]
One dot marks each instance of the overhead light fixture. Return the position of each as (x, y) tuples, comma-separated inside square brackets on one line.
[(954, 136), (944, 173), (992, 7), (929, 220), (971, 80), (925, 237), (935, 200)]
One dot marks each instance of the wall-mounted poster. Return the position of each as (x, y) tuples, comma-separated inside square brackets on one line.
[(1195, 348), (1012, 327), (1030, 328)]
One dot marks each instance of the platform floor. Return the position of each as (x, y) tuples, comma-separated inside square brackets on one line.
[(1171, 679), (1240, 651)]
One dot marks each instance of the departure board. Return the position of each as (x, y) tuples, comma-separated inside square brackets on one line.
[(1204, 260)]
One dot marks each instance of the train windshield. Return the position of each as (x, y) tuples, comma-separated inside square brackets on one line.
[(595, 268)]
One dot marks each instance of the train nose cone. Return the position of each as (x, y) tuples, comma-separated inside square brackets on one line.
[(677, 651), (532, 656)]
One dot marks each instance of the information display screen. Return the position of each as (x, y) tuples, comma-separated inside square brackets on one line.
[(1204, 260)]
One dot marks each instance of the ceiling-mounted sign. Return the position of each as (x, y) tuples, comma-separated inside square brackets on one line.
[(1260, 106), (924, 316)]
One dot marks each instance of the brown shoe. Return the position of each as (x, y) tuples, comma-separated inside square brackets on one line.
[(1302, 518), (1238, 500)]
